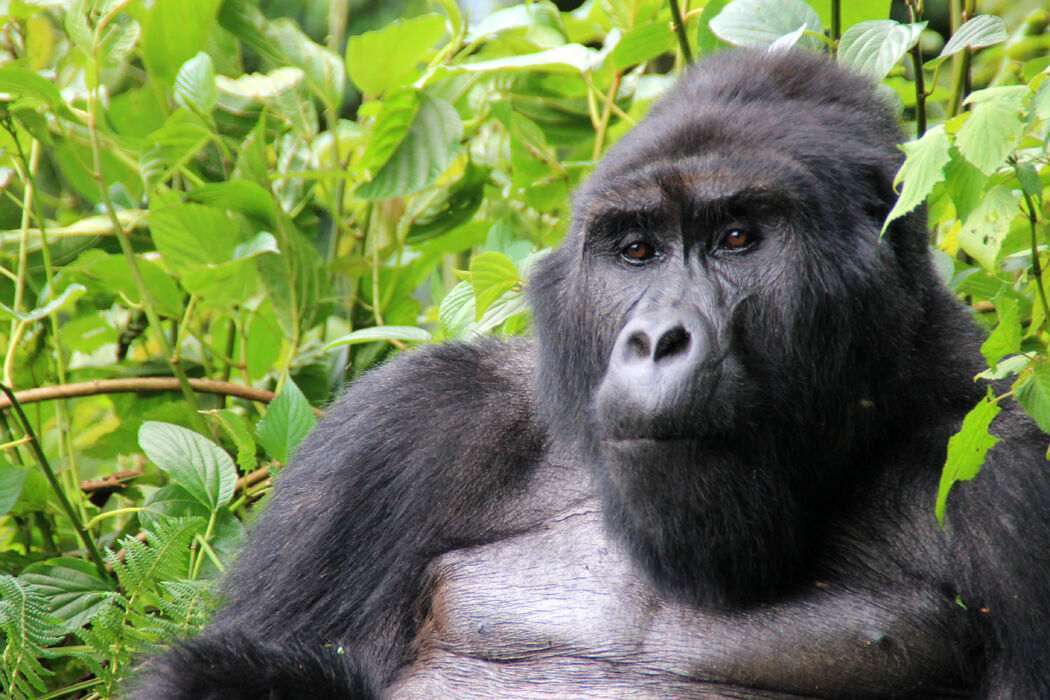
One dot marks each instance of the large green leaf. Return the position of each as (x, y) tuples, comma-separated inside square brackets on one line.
[(875, 47), (976, 33), (323, 69), (762, 22), (73, 588), (196, 463), (174, 31), (379, 60), (189, 236), (426, 151), (993, 126)]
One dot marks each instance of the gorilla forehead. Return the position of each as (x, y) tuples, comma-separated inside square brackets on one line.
[(718, 182)]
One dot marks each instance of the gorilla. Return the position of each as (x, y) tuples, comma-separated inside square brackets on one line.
[(710, 473)]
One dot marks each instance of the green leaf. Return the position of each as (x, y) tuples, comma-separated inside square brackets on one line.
[(706, 40), (986, 227), (111, 272), (1006, 338), (456, 310), (69, 294), (993, 127), (12, 477), (240, 432), (245, 20), (1028, 179), (368, 335), (643, 43), (572, 59), (171, 501), (29, 86), (965, 184), (73, 588), (189, 236), (173, 32), (425, 152), (195, 84), (243, 196), (628, 14), (323, 69), (287, 421), (193, 461), (1014, 364), (922, 169), (1034, 395), (976, 33), (228, 283), (392, 123), (762, 22), (541, 21), (967, 449), (380, 59), (491, 275), (875, 47)]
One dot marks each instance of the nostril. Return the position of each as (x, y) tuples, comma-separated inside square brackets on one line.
[(671, 343), (638, 345)]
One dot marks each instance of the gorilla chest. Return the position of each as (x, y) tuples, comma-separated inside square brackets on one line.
[(561, 612)]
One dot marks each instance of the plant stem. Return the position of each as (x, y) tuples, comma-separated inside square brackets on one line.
[(129, 256), (1037, 267), (603, 125), (52, 480), (915, 13), (679, 30), (836, 21)]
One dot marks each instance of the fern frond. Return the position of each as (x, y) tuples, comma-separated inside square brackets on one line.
[(165, 558), (27, 628)]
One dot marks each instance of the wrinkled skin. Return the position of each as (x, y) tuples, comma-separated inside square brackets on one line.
[(711, 473)]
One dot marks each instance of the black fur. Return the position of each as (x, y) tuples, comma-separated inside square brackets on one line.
[(711, 474)]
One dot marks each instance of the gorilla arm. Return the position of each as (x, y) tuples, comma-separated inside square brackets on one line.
[(415, 459)]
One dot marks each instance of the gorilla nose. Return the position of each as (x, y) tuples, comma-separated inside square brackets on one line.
[(659, 339), (655, 370)]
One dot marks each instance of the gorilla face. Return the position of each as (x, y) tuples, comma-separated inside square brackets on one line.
[(717, 327)]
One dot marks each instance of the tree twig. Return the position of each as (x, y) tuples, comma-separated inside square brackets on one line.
[(138, 384)]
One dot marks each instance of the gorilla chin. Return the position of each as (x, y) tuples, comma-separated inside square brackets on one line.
[(675, 502)]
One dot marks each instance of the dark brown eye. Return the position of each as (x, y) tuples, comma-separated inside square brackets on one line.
[(638, 251), (737, 239)]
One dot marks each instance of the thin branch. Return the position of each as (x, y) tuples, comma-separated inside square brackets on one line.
[(139, 384)]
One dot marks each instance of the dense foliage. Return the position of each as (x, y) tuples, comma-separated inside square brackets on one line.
[(211, 221)]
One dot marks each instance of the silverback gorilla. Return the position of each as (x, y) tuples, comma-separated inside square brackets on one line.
[(710, 474)]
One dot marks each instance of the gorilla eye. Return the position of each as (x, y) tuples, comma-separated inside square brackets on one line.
[(737, 239), (637, 251)]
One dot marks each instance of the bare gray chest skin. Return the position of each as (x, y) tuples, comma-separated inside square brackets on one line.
[(561, 611)]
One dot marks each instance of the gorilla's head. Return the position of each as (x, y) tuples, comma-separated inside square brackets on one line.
[(723, 328)]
